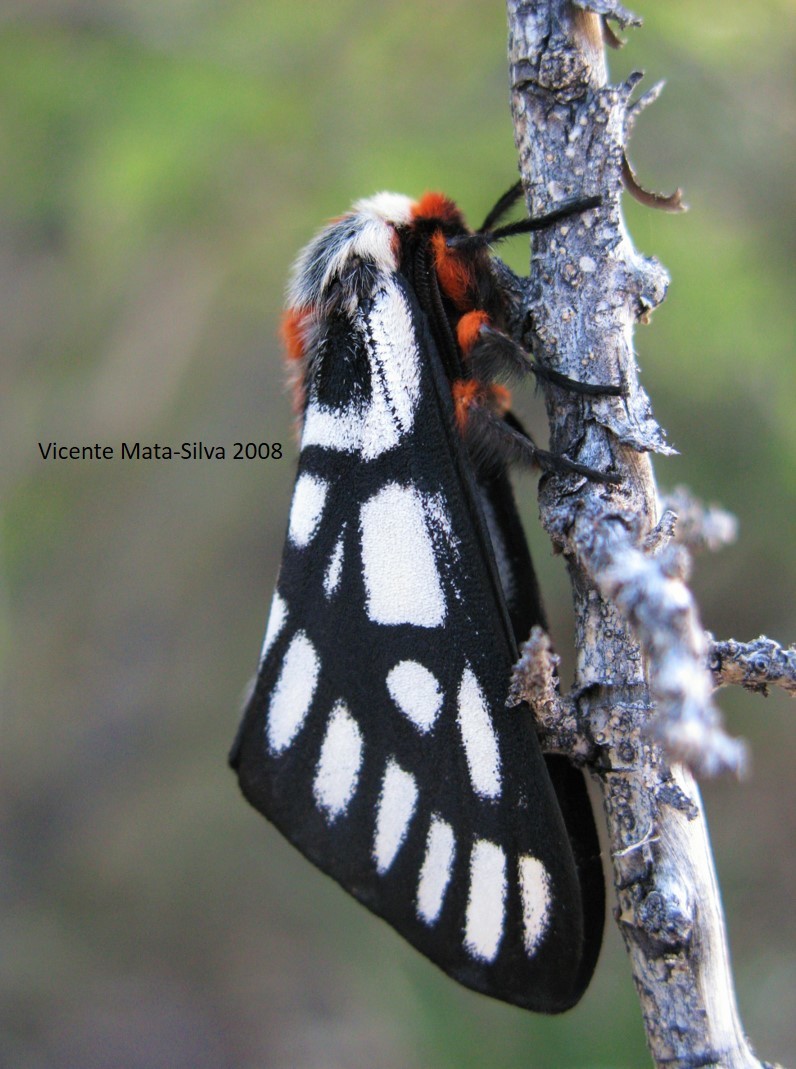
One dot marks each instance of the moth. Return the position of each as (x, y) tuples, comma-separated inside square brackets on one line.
[(377, 737)]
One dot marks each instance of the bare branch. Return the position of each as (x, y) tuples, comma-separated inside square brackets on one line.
[(756, 666), (662, 534), (666, 202), (535, 681), (611, 38), (700, 526), (664, 617), (642, 651), (643, 102), (671, 202), (589, 286), (610, 10), (535, 677)]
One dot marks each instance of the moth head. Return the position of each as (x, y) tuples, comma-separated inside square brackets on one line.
[(437, 212)]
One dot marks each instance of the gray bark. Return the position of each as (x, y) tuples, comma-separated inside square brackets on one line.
[(641, 714)]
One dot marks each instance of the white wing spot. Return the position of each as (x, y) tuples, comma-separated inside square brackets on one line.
[(483, 925), (276, 621), (338, 766), (309, 498), (478, 737), (401, 578), (416, 692), (374, 428), (293, 693), (436, 871), (334, 569), (396, 807), (338, 429), (535, 890), (397, 359)]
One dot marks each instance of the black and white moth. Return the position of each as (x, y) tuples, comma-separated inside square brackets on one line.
[(377, 737)]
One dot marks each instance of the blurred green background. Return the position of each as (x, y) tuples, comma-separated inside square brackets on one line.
[(161, 164)]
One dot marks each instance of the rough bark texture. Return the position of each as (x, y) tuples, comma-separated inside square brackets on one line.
[(756, 666), (641, 647)]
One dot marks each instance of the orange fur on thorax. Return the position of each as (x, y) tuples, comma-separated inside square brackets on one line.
[(437, 206)]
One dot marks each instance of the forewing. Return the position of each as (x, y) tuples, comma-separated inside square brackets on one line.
[(377, 737)]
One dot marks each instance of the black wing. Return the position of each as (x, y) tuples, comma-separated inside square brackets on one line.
[(521, 592), (377, 738)]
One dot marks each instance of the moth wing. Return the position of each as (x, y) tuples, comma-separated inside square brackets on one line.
[(377, 738), (520, 588)]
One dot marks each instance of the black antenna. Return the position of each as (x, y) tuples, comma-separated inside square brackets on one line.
[(506, 202), (523, 226)]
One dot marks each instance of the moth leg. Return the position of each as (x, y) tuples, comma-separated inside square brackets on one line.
[(496, 441), (495, 356)]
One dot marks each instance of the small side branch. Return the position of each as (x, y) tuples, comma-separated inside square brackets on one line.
[(559, 724), (699, 526), (756, 666), (664, 617)]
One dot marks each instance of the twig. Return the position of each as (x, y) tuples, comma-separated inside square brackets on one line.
[(640, 643), (700, 526), (535, 681), (754, 665)]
